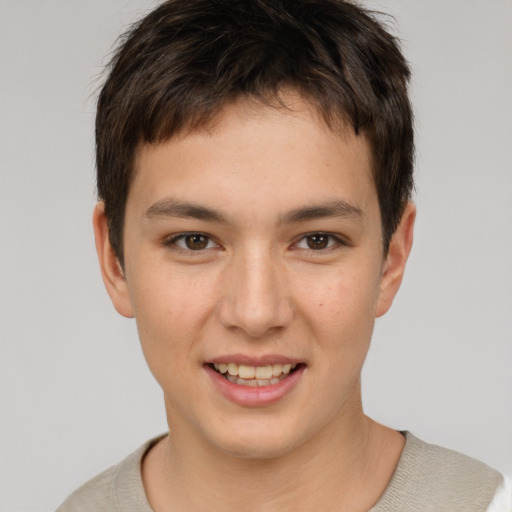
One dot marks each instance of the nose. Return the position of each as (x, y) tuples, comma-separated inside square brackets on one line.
[(256, 299)]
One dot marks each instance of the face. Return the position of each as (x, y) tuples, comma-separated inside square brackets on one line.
[(254, 269)]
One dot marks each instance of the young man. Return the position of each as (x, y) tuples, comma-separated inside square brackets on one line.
[(254, 172)]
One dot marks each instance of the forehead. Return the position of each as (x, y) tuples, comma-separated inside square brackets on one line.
[(256, 155)]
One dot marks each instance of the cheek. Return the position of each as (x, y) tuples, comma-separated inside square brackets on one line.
[(341, 297), (340, 311), (170, 313)]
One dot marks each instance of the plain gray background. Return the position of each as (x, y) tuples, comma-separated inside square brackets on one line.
[(76, 396)]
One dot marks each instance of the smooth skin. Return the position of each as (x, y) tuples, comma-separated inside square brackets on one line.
[(260, 235)]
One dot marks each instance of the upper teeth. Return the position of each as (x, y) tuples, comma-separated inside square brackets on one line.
[(250, 372)]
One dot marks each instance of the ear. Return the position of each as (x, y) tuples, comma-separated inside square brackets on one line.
[(111, 270), (394, 266)]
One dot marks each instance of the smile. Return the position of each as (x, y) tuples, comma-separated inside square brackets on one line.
[(254, 376), (263, 384)]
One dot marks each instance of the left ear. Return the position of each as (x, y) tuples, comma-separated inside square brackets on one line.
[(394, 266)]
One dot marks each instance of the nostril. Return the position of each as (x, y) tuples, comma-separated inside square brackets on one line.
[(256, 302)]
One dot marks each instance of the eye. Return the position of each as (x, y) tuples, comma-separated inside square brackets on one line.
[(318, 242), (192, 242)]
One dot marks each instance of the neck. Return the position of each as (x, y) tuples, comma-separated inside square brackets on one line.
[(348, 464)]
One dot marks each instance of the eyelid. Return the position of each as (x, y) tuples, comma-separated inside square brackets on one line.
[(338, 241), (172, 241)]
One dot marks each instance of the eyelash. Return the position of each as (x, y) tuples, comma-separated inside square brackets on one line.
[(333, 241), (174, 241)]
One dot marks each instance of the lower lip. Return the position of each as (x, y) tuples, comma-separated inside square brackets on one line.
[(255, 396)]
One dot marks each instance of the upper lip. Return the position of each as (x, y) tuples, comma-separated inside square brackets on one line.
[(262, 360)]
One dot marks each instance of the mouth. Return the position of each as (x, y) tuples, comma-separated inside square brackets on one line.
[(254, 376)]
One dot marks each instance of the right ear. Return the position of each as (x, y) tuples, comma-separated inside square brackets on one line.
[(111, 270)]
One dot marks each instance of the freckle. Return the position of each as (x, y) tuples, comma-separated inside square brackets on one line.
[(320, 305)]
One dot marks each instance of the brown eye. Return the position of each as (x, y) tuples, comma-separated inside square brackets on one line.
[(192, 242), (318, 241), (196, 241)]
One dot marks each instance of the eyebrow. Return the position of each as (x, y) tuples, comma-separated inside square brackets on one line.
[(173, 208), (338, 208)]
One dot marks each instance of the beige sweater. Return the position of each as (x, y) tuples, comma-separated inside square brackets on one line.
[(428, 478)]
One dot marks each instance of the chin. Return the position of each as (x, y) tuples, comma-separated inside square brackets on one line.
[(258, 441), (258, 450)]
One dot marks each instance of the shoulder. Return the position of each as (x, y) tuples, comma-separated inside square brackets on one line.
[(502, 501), (119, 488), (94, 495), (437, 464), (432, 478)]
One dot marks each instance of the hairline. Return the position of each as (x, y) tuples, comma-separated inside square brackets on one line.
[(337, 123)]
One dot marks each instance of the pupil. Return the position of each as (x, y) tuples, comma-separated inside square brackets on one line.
[(196, 242), (318, 241)]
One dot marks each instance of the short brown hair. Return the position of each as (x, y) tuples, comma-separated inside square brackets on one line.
[(177, 68)]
